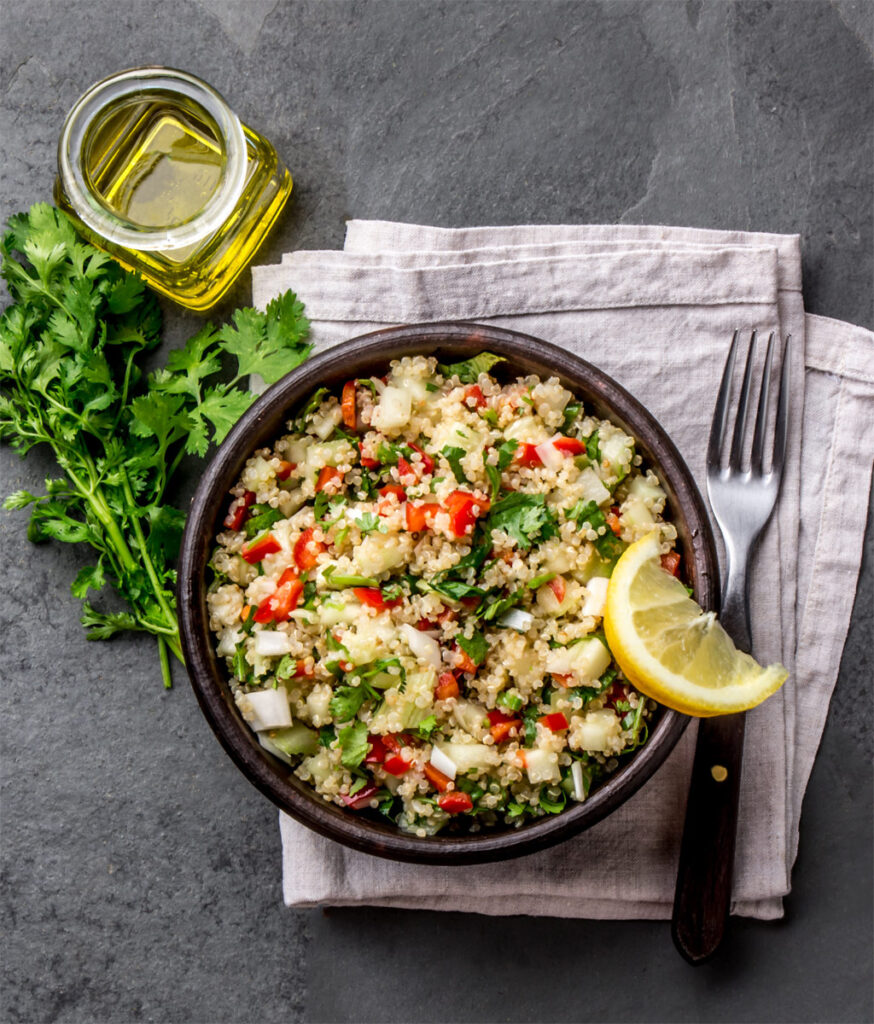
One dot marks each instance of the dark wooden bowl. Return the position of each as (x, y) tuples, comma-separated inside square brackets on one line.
[(265, 421)]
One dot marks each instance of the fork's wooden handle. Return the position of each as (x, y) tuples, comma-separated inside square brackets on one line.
[(703, 895)]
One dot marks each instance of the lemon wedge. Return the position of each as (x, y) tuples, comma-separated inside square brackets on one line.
[(672, 650)]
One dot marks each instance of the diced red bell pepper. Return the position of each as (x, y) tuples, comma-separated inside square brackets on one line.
[(405, 469), (563, 679), (377, 752), (447, 686), (396, 741), (329, 476), (369, 463), (372, 597), (455, 802), (555, 721), (502, 730), (558, 587), (421, 517), (464, 508), (474, 397), (613, 522), (437, 779), (427, 463), (671, 563), (526, 455), (260, 547), (502, 725), (569, 445), (306, 551), (395, 489), (304, 670), (285, 469), (396, 765), (361, 799), (238, 511), (463, 661), (347, 404), (280, 604), (427, 626)]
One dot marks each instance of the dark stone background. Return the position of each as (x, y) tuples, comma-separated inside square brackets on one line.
[(141, 875)]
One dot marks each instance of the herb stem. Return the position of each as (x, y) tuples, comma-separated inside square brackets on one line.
[(165, 663), (144, 553)]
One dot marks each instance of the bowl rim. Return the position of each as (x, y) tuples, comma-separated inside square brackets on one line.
[(264, 421)]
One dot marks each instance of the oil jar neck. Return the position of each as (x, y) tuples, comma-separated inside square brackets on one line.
[(130, 87)]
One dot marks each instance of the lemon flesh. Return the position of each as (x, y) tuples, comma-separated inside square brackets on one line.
[(672, 650)]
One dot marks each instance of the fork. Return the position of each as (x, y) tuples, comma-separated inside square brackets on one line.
[(742, 500)]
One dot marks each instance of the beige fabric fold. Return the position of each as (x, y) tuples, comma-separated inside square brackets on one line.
[(655, 307)]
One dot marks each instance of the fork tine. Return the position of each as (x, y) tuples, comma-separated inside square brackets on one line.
[(737, 441), (762, 412), (782, 429), (720, 413)]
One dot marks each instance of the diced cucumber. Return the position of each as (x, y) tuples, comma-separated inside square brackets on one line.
[(379, 552), (470, 717), (542, 766), (591, 487), (617, 451), (320, 767), (471, 757), (296, 739), (392, 411), (634, 512), (598, 731), (332, 613), (586, 661), (401, 711)]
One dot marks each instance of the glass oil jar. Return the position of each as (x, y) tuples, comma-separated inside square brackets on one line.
[(155, 168)]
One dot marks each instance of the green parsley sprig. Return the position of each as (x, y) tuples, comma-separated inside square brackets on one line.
[(71, 377)]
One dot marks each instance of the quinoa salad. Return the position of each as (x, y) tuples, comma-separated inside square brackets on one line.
[(409, 587)]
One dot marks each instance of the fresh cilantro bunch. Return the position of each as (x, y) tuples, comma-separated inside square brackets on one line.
[(71, 377)]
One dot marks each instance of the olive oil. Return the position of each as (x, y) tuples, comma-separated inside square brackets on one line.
[(160, 173)]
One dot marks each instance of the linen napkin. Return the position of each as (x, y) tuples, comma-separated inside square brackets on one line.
[(655, 307)]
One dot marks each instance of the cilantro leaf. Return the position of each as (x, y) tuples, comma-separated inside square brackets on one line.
[(469, 370), (353, 743), (426, 727), (524, 517), (571, 411), (269, 344), (454, 456), (503, 604), (456, 589), (346, 702), (476, 646)]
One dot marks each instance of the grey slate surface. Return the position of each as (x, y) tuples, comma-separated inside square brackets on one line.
[(140, 871)]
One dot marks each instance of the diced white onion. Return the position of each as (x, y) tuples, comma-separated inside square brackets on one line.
[(550, 456), (596, 596), (269, 643), (378, 384), (266, 709), (423, 646), (577, 776), (443, 763), (516, 619)]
